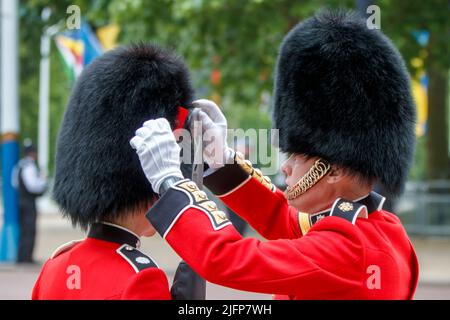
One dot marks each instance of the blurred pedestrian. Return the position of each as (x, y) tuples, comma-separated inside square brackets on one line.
[(31, 183)]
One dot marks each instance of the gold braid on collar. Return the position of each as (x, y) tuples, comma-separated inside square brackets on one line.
[(314, 174)]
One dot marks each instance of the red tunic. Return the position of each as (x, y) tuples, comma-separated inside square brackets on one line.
[(371, 258), (106, 265)]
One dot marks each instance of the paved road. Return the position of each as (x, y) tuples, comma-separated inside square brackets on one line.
[(16, 282)]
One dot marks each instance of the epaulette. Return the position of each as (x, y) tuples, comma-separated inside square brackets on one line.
[(65, 247), (348, 210), (138, 260)]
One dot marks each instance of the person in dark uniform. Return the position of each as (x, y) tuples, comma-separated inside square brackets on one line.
[(31, 184), (100, 186), (346, 118)]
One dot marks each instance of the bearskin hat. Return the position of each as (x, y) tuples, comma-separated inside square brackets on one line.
[(342, 93), (98, 175)]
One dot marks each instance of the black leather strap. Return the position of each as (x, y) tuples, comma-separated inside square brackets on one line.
[(225, 179), (187, 285)]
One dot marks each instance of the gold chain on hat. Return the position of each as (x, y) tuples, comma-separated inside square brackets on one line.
[(315, 173)]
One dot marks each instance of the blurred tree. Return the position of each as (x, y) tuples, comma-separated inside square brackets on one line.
[(400, 20), (231, 47), (31, 27)]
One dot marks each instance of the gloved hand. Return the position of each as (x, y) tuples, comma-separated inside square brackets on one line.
[(216, 152), (158, 151)]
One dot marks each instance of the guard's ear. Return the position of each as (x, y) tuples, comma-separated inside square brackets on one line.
[(335, 175)]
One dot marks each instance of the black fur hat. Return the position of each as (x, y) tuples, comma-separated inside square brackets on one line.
[(98, 175), (342, 93)]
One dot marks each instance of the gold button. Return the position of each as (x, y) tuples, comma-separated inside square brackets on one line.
[(221, 215), (346, 206), (239, 158), (212, 206), (192, 186)]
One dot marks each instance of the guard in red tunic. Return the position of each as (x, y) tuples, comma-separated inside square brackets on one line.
[(100, 186), (106, 265), (345, 115)]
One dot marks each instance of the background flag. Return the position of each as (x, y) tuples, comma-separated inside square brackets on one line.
[(108, 35), (78, 48)]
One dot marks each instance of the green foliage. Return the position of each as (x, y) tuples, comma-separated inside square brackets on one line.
[(401, 18), (31, 26), (418, 170), (239, 38)]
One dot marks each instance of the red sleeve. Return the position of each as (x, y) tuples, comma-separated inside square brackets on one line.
[(265, 210), (317, 262), (253, 197), (148, 284)]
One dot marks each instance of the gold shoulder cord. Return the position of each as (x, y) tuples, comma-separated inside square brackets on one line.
[(315, 173), (247, 166)]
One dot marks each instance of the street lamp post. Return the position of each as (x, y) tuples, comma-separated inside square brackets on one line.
[(9, 236), (44, 89)]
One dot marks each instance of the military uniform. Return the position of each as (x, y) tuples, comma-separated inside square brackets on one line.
[(354, 250), (98, 177), (341, 97), (105, 265)]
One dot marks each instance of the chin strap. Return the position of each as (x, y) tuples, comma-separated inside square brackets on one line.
[(314, 174)]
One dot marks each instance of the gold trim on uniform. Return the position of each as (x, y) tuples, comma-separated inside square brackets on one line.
[(200, 200), (256, 173), (199, 196), (208, 205), (189, 186), (219, 216), (345, 206), (304, 222)]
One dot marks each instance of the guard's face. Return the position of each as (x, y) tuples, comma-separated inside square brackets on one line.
[(144, 227), (315, 199)]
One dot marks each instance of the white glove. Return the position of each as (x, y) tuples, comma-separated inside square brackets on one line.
[(216, 152), (158, 151)]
